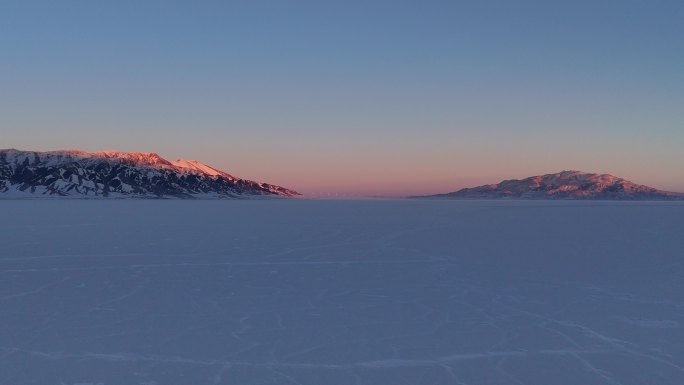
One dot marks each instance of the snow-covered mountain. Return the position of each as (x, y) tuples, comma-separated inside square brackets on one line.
[(564, 185), (120, 174)]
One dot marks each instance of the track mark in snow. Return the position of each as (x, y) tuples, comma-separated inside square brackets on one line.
[(378, 364), (35, 291)]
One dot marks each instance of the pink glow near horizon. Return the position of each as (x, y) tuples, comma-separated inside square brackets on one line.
[(393, 175), (391, 183)]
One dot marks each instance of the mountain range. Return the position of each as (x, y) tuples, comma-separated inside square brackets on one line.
[(563, 185), (107, 174), (114, 174)]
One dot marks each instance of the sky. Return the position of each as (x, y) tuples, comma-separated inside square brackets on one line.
[(354, 98)]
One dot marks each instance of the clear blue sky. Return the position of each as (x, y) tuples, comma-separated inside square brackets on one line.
[(354, 97)]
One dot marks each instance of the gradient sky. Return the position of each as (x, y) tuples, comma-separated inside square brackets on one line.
[(354, 97)]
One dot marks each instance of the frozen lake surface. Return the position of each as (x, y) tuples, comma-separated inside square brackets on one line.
[(341, 292)]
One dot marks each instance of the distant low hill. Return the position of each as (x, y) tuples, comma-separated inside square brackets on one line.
[(563, 185), (107, 174)]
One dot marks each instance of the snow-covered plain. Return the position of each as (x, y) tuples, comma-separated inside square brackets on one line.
[(152, 292)]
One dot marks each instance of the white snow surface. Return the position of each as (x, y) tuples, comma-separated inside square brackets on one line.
[(140, 159), (196, 166), (51, 158), (383, 292)]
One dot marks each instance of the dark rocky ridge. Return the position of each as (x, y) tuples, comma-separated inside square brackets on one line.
[(564, 185), (119, 174)]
